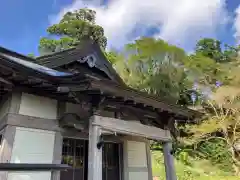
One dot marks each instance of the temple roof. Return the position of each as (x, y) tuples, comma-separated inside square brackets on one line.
[(42, 76), (86, 52)]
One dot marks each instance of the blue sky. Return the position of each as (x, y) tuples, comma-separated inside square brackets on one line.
[(24, 22)]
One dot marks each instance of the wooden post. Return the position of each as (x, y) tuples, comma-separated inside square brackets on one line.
[(169, 161), (95, 153)]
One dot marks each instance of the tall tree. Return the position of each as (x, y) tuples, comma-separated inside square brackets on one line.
[(71, 29), (154, 66), (231, 53), (210, 48), (204, 70), (218, 136)]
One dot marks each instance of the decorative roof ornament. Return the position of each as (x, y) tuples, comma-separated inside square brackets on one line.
[(90, 59)]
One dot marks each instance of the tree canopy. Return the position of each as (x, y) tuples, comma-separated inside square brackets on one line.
[(154, 66), (71, 29)]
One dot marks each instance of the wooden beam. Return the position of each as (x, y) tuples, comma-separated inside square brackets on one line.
[(33, 167), (143, 98), (6, 81), (131, 128), (126, 107)]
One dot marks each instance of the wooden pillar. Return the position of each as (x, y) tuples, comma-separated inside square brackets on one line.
[(95, 153), (169, 161)]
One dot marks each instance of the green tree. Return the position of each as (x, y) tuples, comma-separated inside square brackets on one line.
[(153, 66), (222, 125), (112, 56), (218, 136), (71, 29), (203, 70), (31, 55), (210, 48), (231, 53)]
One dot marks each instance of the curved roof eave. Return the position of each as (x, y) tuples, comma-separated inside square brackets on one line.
[(86, 48)]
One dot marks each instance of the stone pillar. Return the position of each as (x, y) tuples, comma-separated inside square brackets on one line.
[(95, 153), (169, 161)]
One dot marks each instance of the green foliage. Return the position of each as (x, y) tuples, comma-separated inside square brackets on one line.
[(52, 45), (203, 69), (210, 48), (183, 156), (112, 57), (230, 53), (210, 63), (71, 29), (198, 170), (154, 66), (216, 151), (31, 55), (216, 137)]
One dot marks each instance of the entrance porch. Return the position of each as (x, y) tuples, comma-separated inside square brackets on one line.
[(136, 148)]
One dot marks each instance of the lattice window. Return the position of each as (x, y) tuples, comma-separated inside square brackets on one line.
[(75, 154)]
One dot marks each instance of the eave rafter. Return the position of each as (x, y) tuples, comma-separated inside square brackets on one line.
[(101, 101), (122, 97)]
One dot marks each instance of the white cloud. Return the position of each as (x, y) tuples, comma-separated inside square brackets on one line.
[(237, 23), (179, 22)]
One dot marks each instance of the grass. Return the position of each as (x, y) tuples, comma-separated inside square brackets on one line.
[(199, 170)]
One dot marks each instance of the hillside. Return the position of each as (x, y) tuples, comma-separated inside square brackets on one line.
[(199, 170)]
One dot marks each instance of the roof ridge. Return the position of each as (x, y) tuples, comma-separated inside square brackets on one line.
[(66, 50), (55, 53)]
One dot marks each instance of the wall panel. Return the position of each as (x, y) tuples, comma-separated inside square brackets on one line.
[(136, 162), (38, 106), (32, 146)]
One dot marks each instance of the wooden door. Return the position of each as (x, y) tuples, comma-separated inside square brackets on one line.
[(111, 161)]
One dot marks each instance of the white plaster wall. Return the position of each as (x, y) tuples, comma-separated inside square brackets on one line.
[(137, 163), (32, 146), (137, 155), (38, 106), (138, 175), (29, 176)]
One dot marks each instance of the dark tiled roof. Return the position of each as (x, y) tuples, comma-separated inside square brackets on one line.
[(85, 48)]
